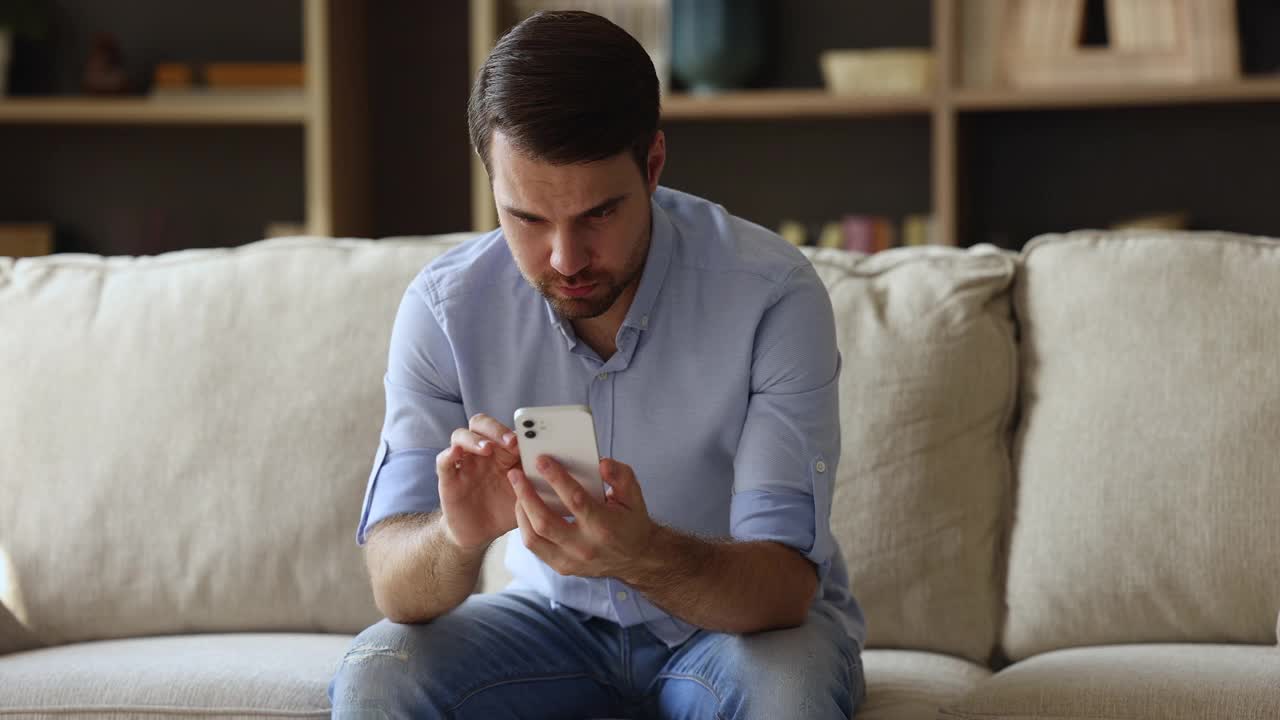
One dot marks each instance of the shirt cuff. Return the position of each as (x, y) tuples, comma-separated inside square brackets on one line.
[(403, 481), (786, 518)]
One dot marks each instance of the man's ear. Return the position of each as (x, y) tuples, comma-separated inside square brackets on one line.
[(657, 160)]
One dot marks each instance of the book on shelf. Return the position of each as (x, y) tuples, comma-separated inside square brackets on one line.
[(865, 234), (917, 229), (25, 239), (224, 80)]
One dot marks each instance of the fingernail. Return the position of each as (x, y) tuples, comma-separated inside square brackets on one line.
[(484, 444), (509, 438), (511, 478), (543, 463)]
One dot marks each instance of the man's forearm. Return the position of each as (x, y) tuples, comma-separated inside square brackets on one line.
[(417, 573), (726, 586)]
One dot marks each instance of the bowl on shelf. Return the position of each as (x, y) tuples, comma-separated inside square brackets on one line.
[(879, 71)]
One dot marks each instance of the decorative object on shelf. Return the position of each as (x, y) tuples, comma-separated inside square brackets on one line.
[(794, 232), (172, 76), (868, 233), (1155, 221), (25, 239), (918, 229), (245, 75), (717, 45), (648, 21), (879, 71), (183, 79), (981, 24), (284, 229), (104, 72), (1152, 41)]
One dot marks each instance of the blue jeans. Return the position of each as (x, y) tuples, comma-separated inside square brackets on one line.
[(510, 655)]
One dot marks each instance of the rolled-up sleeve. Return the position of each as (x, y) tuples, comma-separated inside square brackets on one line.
[(423, 407), (790, 445)]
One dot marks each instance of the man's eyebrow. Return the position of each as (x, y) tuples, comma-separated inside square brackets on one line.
[(512, 210), (607, 204)]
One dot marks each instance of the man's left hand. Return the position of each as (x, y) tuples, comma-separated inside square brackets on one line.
[(606, 539)]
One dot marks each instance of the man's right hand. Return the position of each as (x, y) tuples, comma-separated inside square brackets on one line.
[(477, 503)]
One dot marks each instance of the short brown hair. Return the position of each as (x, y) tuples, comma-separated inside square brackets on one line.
[(566, 87)]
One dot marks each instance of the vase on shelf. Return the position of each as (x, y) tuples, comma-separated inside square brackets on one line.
[(716, 45)]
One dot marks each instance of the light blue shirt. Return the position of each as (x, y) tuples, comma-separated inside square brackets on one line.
[(721, 396)]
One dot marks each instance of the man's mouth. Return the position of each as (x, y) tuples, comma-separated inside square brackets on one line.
[(578, 290)]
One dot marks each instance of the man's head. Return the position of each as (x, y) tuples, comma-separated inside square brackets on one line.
[(564, 114)]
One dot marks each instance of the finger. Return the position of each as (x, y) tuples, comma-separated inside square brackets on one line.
[(536, 544), (490, 428), (567, 488), (449, 463), (623, 486), (546, 523), (472, 442)]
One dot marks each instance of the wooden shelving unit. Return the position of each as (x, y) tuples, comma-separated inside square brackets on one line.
[(265, 109), (788, 104), (996, 100), (946, 107), (330, 111)]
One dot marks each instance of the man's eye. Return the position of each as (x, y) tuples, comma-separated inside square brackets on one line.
[(600, 213)]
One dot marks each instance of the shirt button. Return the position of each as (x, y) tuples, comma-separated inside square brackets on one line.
[(603, 376), (820, 467), (622, 595)]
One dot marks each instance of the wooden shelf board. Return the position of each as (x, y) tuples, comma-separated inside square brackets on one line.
[(274, 108), (784, 104), (1259, 89)]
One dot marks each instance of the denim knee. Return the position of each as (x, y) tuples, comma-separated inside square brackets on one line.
[(801, 672), (382, 675)]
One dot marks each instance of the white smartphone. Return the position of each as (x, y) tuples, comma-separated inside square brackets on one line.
[(566, 433)]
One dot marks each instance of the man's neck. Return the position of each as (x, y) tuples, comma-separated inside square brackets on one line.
[(600, 333)]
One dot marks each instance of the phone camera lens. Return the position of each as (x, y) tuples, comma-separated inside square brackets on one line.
[(528, 423), (530, 433)]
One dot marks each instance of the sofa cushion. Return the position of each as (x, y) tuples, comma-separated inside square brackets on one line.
[(1132, 682), (910, 685), (927, 393), (213, 676), (188, 436), (1146, 455)]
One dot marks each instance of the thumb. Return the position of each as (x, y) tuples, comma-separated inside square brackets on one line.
[(622, 480)]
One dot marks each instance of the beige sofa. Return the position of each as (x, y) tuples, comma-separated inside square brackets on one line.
[(1059, 493)]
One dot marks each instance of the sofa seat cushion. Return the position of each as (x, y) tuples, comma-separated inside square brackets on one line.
[(1132, 682), (213, 676), (269, 675), (910, 685)]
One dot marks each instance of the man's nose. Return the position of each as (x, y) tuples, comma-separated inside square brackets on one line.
[(568, 254)]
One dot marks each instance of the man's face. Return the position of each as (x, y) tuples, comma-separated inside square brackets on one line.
[(578, 233)]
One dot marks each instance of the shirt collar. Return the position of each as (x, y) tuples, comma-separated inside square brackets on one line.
[(661, 239)]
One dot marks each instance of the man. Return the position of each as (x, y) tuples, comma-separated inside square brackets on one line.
[(706, 584)]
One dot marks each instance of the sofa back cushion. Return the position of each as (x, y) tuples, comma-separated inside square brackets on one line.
[(1148, 470), (927, 393), (187, 436)]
